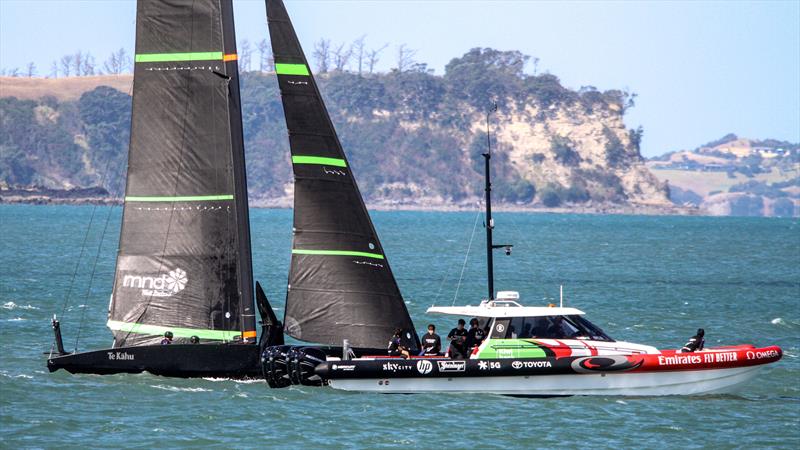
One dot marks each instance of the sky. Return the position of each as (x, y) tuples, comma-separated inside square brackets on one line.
[(701, 69)]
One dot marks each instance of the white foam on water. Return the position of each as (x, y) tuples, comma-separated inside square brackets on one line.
[(248, 381), (12, 305), (621, 402), (179, 389), (16, 319), (778, 321), (21, 375)]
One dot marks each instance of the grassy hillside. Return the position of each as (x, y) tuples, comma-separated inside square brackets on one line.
[(733, 176)]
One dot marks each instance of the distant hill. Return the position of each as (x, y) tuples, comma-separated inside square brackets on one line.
[(735, 176), (414, 139), (62, 89)]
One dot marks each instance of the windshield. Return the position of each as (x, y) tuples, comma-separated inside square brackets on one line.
[(549, 327), (590, 330)]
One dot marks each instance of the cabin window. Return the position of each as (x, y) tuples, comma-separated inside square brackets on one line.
[(548, 327), (590, 330)]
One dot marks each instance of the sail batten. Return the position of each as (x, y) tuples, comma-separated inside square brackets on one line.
[(340, 283), (183, 263)]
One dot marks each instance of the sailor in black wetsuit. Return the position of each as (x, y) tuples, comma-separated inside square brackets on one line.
[(167, 338), (458, 340), (395, 345), (475, 335), (696, 342), (431, 342)]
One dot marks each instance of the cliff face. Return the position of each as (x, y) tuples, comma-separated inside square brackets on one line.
[(588, 154), (413, 139)]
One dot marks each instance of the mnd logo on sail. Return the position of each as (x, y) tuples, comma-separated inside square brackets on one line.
[(157, 286)]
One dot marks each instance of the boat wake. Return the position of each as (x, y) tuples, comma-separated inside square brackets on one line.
[(180, 389), (234, 380)]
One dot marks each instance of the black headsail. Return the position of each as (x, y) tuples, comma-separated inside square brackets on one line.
[(184, 262), (340, 282)]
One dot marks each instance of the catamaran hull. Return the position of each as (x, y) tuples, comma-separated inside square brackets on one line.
[(701, 382), (176, 360)]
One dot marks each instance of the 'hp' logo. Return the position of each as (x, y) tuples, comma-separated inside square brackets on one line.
[(424, 367)]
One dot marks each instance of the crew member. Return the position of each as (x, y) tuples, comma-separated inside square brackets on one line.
[(431, 342), (556, 330), (458, 341), (475, 335), (696, 342), (194, 340), (167, 338), (395, 345)]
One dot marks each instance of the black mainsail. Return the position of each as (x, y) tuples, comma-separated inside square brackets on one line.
[(184, 263), (340, 283)]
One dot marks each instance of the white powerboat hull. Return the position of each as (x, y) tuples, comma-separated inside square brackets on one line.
[(696, 382)]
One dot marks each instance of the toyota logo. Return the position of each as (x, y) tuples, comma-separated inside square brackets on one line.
[(516, 364)]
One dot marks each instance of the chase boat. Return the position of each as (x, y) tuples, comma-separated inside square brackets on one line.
[(552, 351)]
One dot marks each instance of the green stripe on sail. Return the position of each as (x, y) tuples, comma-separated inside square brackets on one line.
[(336, 253), (158, 330), (169, 57), (319, 160), (190, 198), (291, 69)]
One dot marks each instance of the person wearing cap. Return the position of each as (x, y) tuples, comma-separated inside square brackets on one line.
[(167, 338), (431, 342), (696, 342), (396, 347), (475, 335), (458, 339)]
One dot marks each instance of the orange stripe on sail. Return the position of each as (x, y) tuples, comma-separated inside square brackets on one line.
[(230, 57)]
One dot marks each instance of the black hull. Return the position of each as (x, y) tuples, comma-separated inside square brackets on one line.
[(176, 360), (447, 368)]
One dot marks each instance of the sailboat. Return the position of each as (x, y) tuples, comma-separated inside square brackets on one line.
[(184, 265), (341, 291), (342, 295)]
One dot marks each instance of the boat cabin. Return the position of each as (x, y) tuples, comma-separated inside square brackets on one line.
[(517, 331)]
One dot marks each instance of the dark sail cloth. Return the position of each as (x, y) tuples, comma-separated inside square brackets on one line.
[(696, 342), (340, 283), (457, 339), (431, 344), (184, 263)]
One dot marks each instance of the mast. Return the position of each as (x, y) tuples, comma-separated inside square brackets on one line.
[(245, 263), (489, 223), (490, 245)]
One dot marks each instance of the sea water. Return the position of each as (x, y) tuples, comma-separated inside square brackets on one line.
[(651, 280)]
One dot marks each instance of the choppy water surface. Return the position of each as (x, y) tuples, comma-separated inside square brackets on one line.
[(645, 279)]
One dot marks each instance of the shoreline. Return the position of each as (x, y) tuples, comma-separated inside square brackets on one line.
[(603, 209)]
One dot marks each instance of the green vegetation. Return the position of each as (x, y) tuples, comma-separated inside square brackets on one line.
[(403, 131)]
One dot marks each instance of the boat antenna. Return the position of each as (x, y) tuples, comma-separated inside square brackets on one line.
[(489, 221), (561, 295)]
